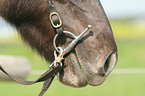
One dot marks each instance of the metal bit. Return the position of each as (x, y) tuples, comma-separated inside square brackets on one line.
[(74, 42), (67, 49)]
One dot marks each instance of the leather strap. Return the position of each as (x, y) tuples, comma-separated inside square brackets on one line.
[(46, 85), (55, 18), (43, 77), (48, 77)]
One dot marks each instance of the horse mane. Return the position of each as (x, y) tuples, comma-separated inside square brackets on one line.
[(32, 22)]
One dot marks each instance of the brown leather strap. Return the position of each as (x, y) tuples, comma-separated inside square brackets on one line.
[(43, 77), (55, 19), (48, 77), (46, 85)]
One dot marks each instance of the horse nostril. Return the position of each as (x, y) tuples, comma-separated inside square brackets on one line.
[(110, 63), (106, 65)]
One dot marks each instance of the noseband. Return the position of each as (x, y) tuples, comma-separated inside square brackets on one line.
[(59, 52)]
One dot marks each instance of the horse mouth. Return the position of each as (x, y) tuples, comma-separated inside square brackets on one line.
[(90, 62), (78, 72)]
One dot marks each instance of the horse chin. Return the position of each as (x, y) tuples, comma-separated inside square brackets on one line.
[(82, 69)]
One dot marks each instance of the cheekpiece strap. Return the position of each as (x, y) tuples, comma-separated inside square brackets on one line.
[(55, 19)]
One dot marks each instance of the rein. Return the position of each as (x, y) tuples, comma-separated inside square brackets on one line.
[(59, 52)]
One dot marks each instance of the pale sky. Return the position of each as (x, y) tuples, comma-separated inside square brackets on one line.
[(124, 8)]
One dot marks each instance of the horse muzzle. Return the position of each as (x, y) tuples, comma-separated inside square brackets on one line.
[(91, 61)]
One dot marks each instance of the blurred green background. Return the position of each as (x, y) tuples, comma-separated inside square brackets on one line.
[(127, 79)]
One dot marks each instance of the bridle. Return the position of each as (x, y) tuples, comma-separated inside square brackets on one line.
[(59, 52)]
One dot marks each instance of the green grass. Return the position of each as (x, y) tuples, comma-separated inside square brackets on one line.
[(115, 85), (131, 51), (131, 54), (128, 29)]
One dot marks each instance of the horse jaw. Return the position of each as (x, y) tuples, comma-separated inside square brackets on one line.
[(1, 6), (95, 57)]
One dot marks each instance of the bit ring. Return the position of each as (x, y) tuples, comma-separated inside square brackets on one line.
[(55, 37)]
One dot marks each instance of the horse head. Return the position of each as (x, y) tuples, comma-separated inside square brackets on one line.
[(95, 55)]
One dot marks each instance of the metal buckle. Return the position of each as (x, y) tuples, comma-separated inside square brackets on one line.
[(60, 22)]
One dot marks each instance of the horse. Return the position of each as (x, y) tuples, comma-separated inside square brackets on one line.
[(92, 58)]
